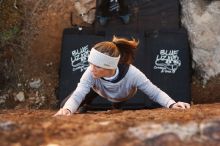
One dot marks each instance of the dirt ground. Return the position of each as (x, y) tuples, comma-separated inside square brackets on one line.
[(38, 127), (32, 52)]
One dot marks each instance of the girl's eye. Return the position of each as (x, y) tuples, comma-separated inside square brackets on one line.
[(97, 67)]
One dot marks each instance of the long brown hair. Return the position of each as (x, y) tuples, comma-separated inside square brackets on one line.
[(119, 46)]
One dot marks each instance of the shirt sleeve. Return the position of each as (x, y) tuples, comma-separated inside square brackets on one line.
[(82, 89), (154, 93)]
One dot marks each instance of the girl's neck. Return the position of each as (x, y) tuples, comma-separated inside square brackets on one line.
[(113, 75)]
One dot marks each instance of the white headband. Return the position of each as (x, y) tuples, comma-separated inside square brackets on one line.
[(102, 60)]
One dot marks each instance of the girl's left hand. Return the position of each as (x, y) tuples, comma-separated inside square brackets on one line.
[(181, 105)]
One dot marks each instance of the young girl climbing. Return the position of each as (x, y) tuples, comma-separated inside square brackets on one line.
[(111, 75)]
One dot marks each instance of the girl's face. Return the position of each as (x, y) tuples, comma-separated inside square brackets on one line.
[(99, 72)]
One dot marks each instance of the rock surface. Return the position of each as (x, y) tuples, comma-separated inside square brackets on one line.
[(198, 126), (202, 18)]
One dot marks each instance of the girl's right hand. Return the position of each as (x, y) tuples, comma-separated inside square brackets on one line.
[(63, 112)]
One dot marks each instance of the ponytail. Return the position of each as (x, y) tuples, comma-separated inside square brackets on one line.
[(119, 46), (127, 49)]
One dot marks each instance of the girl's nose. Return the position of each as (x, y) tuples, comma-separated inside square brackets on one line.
[(93, 68)]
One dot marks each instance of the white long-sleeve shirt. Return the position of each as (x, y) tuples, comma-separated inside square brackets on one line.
[(119, 91)]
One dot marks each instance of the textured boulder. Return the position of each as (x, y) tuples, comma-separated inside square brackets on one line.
[(202, 18), (86, 10)]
